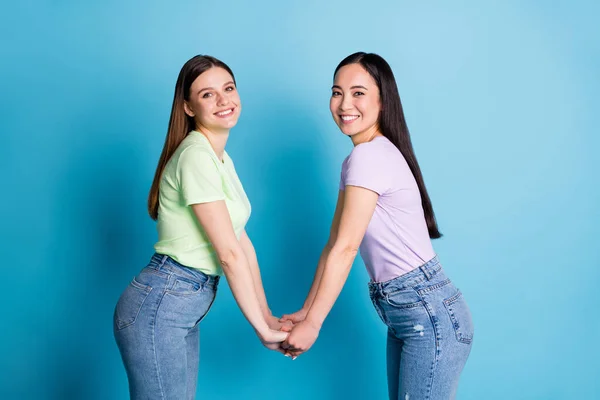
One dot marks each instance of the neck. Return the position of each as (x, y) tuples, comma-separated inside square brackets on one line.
[(217, 139), (366, 136)]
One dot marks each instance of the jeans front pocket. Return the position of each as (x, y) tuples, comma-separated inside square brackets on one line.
[(185, 287), (403, 299), (130, 303), (460, 315)]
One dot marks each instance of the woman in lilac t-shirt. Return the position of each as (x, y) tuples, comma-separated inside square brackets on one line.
[(383, 208)]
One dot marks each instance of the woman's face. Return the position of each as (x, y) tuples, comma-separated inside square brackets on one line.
[(214, 102), (355, 100)]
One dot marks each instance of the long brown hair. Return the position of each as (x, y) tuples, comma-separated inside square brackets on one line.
[(180, 124), (393, 125)]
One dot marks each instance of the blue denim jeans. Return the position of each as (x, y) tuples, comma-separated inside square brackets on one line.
[(429, 333), (156, 328)]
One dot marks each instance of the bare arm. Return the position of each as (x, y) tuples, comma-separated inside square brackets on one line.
[(358, 208), (215, 220), (250, 253), (301, 314)]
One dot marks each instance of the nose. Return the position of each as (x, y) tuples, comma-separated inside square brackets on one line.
[(346, 103), (222, 100)]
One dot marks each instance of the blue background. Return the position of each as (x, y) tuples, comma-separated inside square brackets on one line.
[(502, 102)]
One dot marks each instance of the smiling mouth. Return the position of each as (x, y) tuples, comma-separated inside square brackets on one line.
[(225, 113), (348, 119)]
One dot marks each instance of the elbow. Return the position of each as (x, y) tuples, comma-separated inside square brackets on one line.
[(230, 259), (345, 251)]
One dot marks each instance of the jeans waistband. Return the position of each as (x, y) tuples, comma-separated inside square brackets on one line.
[(165, 263), (420, 274)]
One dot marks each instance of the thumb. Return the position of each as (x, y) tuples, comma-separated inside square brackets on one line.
[(278, 336), (286, 328), (285, 317), (292, 318)]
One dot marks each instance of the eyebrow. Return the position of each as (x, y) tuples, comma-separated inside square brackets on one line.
[(353, 87), (212, 88)]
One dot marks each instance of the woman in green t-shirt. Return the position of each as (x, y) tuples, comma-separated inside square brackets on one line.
[(201, 209)]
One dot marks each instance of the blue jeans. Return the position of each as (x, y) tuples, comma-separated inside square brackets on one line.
[(156, 328), (429, 333)]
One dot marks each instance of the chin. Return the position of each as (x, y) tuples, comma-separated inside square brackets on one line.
[(348, 132), (225, 126)]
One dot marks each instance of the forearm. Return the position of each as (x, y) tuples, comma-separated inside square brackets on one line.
[(336, 268), (317, 279), (241, 282), (250, 253), (258, 287)]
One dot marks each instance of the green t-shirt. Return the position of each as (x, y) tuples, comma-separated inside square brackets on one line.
[(194, 175)]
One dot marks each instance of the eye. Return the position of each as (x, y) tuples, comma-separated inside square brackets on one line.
[(230, 88), (358, 93), (335, 93), (207, 95)]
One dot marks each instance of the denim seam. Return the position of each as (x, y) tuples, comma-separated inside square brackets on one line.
[(433, 287), (402, 306), (141, 286), (153, 339), (448, 306), (147, 291), (417, 281), (383, 316), (208, 310), (437, 348), (433, 320), (449, 301), (157, 272), (187, 293)]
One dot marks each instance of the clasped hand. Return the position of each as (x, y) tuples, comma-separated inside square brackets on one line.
[(301, 334)]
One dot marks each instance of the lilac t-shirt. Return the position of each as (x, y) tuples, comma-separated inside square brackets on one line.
[(397, 240)]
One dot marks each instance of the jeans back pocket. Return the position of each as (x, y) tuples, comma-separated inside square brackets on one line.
[(130, 303), (460, 315)]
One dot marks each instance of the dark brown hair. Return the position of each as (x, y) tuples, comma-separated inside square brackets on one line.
[(392, 123), (180, 124)]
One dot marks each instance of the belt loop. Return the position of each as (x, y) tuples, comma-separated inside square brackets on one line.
[(425, 272), (163, 260)]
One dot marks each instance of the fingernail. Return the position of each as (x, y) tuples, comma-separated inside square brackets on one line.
[(287, 355), (293, 358)]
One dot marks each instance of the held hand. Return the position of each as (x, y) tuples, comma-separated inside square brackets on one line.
[(272, 339), (303, 336), (296, 317), (275, 324)]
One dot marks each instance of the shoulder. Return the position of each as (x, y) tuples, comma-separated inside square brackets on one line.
[(375, 152), (195, 152)]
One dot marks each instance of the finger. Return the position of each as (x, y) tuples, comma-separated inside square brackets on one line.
[(288, 323), (293, 318), (278, 336), (286, 328)]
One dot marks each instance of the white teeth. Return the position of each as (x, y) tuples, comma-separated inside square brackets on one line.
[(222, 113), (349, 117)]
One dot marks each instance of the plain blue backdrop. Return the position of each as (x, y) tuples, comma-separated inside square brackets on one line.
[(502, 103)]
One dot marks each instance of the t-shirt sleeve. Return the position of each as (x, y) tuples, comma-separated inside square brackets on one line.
[(343, 175), (366, 168), (199, 177)]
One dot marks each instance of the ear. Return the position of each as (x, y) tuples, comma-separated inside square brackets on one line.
[(188, 109)]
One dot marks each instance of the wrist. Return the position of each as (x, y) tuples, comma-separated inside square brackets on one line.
[(306, 307), (314, 321), (262, 330)]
